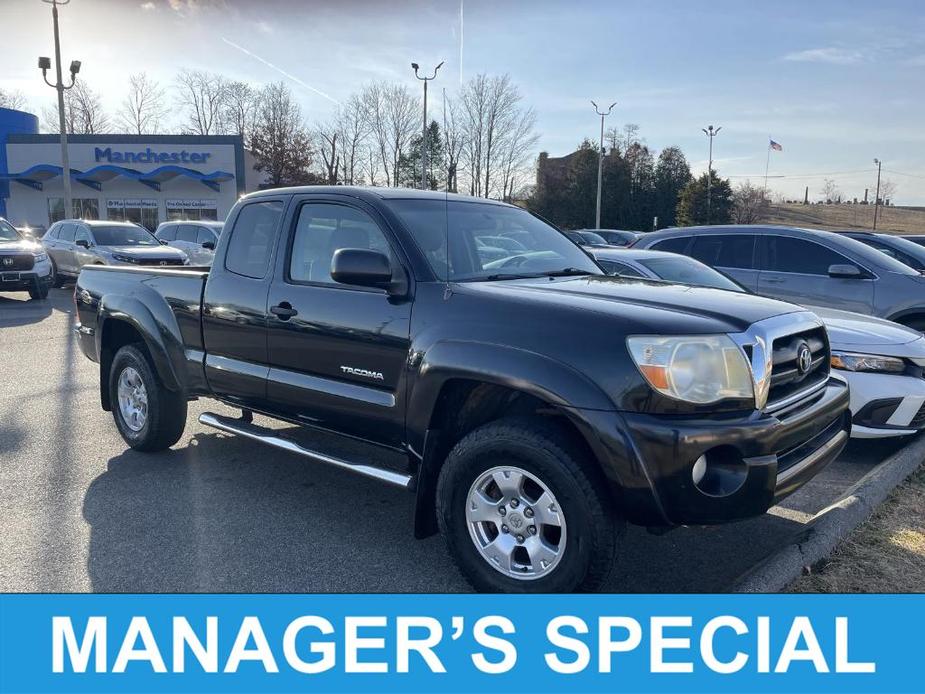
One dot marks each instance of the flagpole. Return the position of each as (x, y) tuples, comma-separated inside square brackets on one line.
[(767, 163)]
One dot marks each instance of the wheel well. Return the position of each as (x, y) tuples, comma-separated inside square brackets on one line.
[(910, 318), (463, 406), (116, 334)]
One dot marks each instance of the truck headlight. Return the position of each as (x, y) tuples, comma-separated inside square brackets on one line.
[(122, 258), (41, 257), (867, 362), (699, 369)]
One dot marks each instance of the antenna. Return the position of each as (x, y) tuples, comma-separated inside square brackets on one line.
[(446, 200)]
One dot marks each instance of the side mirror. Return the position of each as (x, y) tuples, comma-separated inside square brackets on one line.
[(83, 243), (209, 245), (361, 268), (845, 271)]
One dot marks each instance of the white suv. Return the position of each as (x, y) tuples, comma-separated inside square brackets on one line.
[(195, 238)]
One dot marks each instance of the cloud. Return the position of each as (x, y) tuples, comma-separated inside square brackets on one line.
[(148, 6), (830, 55), (917, 61), (264, 27)]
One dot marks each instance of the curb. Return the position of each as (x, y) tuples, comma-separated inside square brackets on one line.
[(828, 527)]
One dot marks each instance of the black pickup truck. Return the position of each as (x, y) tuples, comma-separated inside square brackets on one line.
[(530, 402)]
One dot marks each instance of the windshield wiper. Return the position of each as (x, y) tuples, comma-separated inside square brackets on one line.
[(504, 276), (565, 272)]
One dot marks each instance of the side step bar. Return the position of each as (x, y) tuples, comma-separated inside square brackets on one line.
[(269, 437)]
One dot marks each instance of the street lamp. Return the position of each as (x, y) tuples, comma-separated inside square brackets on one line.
[(877, 196), (600, 160), (711, 133), (424, 147), (60, 87)]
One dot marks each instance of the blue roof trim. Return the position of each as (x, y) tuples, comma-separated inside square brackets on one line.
[(35, 175)]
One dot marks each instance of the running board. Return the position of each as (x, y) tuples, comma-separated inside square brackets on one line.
[(269, 437)]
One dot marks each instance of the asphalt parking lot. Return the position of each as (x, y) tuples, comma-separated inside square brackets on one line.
[(81, 512)]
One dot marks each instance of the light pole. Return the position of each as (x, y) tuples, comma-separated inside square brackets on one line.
[(711, 133), (600, 160), (60, 87), (424, 147), (877, 196)]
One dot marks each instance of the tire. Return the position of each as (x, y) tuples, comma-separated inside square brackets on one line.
[(39, 292), (56, 279), (547, 456), (164, 412)]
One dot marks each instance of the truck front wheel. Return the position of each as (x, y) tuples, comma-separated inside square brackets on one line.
[(149, 416), (522, 511)]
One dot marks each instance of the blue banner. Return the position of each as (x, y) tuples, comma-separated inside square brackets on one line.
[(462, 643)]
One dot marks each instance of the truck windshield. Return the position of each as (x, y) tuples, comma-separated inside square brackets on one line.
[(123, 236), (8, 232), (480, 239)]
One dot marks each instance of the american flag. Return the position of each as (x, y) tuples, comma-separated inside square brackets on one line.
[(776, 146)]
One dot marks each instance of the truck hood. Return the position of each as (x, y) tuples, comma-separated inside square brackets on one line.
[(655, 306), (20, 246), (856, 332), (149, 252)]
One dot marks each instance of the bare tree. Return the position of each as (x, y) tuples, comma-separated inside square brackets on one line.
[(516, 154), (280, 141), (201, 96), (13, 99), (454, 143), (887, 189), (325, 137), (239, 109), (830, 191), (83, 112), (750, 204), (143, 109), (390, 113)]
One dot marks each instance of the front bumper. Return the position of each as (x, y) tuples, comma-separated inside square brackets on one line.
[(752, 462), (17, 281), (885, 405)]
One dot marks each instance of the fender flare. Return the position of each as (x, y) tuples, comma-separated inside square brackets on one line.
[(158, 329)]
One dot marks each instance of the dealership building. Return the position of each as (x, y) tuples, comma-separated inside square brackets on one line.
[(146, 179)]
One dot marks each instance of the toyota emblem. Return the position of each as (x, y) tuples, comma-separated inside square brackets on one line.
[(7, 261), (163, 262), (804, 358)]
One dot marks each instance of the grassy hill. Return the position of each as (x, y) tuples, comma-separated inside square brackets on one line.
[(903, 220)]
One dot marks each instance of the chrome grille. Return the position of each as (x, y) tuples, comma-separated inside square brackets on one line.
[(792, 371), (16, 261)]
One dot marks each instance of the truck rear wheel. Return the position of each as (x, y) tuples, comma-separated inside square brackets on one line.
[(522, 511), (148, 416)]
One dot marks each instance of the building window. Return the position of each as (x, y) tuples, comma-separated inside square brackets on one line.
[(83, 208), (141, 211), (192, 209)]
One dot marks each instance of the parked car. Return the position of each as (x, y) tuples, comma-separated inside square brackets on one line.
[(882, 361), (196, 239), (903, 250), (587, 238), (616, 237), (24, 265), (73, 243), (531, 406), (32, 231), (804, 266)]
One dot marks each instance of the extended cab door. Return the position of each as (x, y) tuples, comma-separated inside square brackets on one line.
[(338, 353), (234, 306), (797, 270)]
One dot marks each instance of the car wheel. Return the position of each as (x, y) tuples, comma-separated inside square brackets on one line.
[(148, 416), (40, 291), (56, 279), (523, 510)]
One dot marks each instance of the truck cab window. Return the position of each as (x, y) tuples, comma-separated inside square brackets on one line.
[(252, 238)]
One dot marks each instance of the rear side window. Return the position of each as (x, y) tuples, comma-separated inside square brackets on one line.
[(725, 250), (66, 233), (52, 233), (167, 233), (252, 239), (788, 254), (678, 244), (186, 232), (203, 235)]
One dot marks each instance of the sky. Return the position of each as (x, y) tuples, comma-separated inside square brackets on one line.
[(836, 83)]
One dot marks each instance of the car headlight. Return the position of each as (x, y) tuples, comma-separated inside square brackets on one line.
[(41, 257), (122, 258), (699, 369), (867, 362)]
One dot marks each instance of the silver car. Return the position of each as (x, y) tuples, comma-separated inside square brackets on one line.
[(197, 239), (73, 243), (804, 266)]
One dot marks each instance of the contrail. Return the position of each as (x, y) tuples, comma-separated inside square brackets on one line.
[(281, 71), (461, 42)]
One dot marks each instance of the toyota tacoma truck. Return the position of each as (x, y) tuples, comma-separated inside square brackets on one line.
[(531, 403)]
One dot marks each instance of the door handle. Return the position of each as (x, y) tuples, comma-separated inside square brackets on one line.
[(774, 280), (283, 310)]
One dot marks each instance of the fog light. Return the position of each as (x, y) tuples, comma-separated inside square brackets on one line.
[(719, 472), (699, 469)]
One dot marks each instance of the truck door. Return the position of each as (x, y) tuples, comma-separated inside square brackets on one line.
[(234, 307), (337, 352)]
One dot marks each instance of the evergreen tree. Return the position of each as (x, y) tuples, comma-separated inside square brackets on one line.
[(692, 205), (672, 174), (409, 164)]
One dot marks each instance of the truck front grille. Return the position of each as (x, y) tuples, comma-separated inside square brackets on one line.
[(16, 261), (158, 261), (792, 371)]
